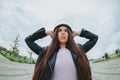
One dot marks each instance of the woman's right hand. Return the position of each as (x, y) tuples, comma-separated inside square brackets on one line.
[(50, 33)]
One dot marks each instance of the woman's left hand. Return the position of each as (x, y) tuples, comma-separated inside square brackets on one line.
[(75, 33)]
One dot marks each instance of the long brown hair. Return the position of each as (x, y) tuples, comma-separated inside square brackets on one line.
[(83, 67)]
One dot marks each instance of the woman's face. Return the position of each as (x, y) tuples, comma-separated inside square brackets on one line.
[(63, 35)]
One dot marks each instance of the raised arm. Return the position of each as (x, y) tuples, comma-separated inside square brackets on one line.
[(92, 39), (30, 41), (88, 35)]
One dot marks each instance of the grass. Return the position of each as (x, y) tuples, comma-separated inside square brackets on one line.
[(108, 59), (16, 59)]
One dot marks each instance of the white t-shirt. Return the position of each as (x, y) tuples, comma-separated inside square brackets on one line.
[(64, 67)]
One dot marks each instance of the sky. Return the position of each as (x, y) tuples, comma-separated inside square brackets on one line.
[(24, 17)]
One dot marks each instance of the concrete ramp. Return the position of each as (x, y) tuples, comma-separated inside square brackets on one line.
[(15, 71), (109, 70), (9, 70)]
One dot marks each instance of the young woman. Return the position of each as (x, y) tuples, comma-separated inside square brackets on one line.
[(63, 59)]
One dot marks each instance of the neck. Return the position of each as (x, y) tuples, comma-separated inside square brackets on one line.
[(62, 45)]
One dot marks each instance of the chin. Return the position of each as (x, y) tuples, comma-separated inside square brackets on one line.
[(63, 42)]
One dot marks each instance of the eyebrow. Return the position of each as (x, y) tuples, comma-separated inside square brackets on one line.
[(64, 29)]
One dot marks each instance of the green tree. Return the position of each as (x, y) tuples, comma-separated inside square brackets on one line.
[(106, 55), (30, 53), (117, 52), (15, 50)]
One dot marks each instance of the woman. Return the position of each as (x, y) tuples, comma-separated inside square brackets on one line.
[(63, 59)]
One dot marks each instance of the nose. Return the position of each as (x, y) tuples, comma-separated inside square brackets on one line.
[(63, 33)]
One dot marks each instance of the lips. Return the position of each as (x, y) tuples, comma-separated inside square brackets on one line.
[(62, 37)]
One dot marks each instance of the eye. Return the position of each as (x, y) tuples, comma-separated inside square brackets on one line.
[(59, 30), (66, 30)]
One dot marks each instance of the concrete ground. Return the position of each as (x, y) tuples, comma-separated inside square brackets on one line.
[(14, 71), (109, 70)]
